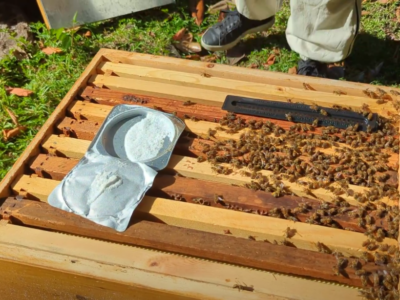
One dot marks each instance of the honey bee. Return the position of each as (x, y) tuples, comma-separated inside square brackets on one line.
[(380, 101), (188, 103), (383, 247), (324, 112), (308, 87), (200, 159), (323, 249), (250, 237), (289, 117), (370, 94), (243, 287), (355, 264), (289, 233), (394, 93), (227, 231), (339, 92), (314, 107), (204, 74)]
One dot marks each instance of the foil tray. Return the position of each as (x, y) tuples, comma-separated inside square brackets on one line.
[(106, 185)]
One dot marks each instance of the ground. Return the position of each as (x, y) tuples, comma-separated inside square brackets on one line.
[(374, 59)]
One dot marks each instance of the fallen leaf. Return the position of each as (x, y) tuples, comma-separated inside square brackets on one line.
[(209, 58), (152, 34), (254, 66), (41, 45), (277, 51), (19, 92), (197, 9), (193, 57), (383, 1), (293, 70), (188, 47), (271, 59), (12, 116), (10, 133), (398, 14), (88, 33), (222, 15), (179, 35), (51, 50), (365, 13)]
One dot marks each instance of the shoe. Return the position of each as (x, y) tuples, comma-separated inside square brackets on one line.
[(227, 33), (312, 68)]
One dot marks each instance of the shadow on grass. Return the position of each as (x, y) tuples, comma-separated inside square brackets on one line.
[(361, 66)]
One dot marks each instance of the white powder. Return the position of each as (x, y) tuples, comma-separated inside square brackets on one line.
[(103, 182), (145, 139)]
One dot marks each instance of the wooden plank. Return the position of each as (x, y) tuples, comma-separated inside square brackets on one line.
[(175, 276), (33, 148), (19, 281), (237, 198), (81, 129), (134, 268), (200, 111), (232, 87), (248, 253), (236, 73), (215, 220), (97, 113), (217, 98), (190, 167)]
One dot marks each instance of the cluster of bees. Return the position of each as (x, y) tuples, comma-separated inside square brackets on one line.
[(331, 159)]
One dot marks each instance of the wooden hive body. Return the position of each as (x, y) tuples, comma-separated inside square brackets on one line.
[(176, 249)]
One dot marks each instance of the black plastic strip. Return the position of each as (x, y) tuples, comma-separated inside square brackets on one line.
[(300, 113)]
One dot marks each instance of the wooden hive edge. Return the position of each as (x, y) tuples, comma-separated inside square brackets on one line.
[(235, 73)]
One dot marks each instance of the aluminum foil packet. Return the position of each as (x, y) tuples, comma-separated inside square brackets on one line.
[(104, 189), (120, 166)]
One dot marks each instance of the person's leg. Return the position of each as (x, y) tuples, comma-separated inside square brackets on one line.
[(322, 31), (251, 16)]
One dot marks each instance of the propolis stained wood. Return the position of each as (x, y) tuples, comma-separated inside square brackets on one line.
[(203, 214)]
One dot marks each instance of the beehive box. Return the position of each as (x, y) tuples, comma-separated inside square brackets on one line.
[(292, 226)]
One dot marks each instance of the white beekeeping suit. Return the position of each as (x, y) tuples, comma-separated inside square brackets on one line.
[(322, 30)]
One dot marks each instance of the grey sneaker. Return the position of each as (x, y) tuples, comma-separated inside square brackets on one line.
[(227, 33)]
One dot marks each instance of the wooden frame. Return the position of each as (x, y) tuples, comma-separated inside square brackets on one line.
[(31, 243)]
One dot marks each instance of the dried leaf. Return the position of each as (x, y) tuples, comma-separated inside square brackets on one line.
[(277, 51), (271, 59), (179, 35), (88, 33), (10, 133), (293, 70), (193, 57), (365, 13), (209, 58), (254, 66), (51, 50), (12, 116), (41, 45), (398, 14), (197, 9), (188, 47), (383, 1), (152, 34), (19, 91)]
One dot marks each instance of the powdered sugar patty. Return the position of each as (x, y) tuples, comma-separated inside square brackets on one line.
[(146, 138)]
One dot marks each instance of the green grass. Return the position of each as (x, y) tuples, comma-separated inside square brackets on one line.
[(50, 77)]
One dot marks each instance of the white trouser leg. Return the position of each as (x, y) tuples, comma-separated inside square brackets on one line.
[(323, 30), (258, 9)]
